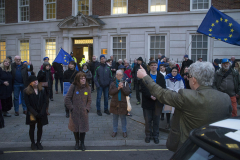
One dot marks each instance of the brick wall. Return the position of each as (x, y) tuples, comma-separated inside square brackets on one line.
[(178, 5), (101, 7), (137, 6), (36, 10), (11, 11), (226, 4), (64, 8)]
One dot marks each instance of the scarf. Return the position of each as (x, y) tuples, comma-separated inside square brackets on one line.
[(173, 79), (119, 92), (85, 71)]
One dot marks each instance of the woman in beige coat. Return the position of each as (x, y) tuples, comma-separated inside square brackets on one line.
[(78, 101)]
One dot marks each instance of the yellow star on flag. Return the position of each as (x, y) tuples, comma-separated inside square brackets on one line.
[(219, 39), (210, 30), (210, 34), (217, 21), (213, 37), (221, 19), (65, 60), (212, 25), (226, 20), (230, 24), (232, 30), (225, 39), (230, 35)]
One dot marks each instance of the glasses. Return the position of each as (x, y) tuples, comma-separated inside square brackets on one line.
[(18, 59)]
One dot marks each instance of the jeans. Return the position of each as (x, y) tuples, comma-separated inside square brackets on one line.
[(152, 118), (56, 84), (123, 120), (99, 95), (17, 89)]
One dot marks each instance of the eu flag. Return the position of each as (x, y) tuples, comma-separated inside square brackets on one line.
[(63, 57), (221, 27)]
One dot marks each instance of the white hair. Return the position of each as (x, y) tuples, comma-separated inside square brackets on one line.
[(120, 60), (172, 63), (203, 72), (119, 71)]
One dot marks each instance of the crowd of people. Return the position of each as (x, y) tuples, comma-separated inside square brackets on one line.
[(190, 93)]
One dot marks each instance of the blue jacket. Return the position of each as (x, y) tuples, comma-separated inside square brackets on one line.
[(102, 76)]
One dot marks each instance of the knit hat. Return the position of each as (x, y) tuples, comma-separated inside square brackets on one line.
[(217, 61), (45, 58), (186, 56), (32, 78), (152, 62), (225, 60), (121, 67), (45, 64), (102, 56), (162, 57), (140, 59)]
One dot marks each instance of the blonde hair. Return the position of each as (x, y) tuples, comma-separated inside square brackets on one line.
[(8, 68)]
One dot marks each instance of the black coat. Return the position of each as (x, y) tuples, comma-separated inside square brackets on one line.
[(42, 77), (24, 72), (185, 64), (35, 105), (114, 66), (69, 75), (58, 70), (147, 102), (135, 69), (93, 66), (5, 91)]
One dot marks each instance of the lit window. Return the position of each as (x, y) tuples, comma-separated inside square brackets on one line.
[(2, 51), (119, 47), (200, 4), (24, 10), (50, 49), (2, 11), (119, 6), (199, 47), (158, 6), (50, 7), (157, 45), (24, 50), (83, 6)]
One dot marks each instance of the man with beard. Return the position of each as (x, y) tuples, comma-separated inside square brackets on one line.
[(227, 80)]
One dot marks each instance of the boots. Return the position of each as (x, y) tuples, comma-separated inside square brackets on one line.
[(76, 135), (82, 137)]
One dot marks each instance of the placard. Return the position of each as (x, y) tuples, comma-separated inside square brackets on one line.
[(66, 86)]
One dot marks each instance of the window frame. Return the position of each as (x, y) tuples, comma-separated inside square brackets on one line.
[(45, 10), (113, 36), (191, 6), (44, 48), (121, 13), (149, 44), (21, 50), (149, 7), (19, 11), (4, 12), (90, 7), (1, 60)]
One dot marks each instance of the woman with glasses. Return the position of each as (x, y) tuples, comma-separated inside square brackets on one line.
[(78, 101)]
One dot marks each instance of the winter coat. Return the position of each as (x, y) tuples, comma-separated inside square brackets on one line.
[(128, 72), (5, 91), (102, 76), (136, 68), (35, 105), (174, 86), (69, 75), (93, 66), (51, 69), (185, 64), (42, 77), (78, 101), (88, 75), (114, 65), (147, 101), (58, 68), (193, 109), (118, 107), (24, 72)]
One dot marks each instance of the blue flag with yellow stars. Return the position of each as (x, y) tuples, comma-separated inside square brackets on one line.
[(63, 57), (221, 27)]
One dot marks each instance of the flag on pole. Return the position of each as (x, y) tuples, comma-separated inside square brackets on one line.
[(63, 57), (221, 27)]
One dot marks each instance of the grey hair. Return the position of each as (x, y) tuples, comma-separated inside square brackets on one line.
[(119, 71), (120, 60), (127, 61), (203, 72), (172, 63)]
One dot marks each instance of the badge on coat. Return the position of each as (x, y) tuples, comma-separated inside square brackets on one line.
[(77, 92), (86, 93)]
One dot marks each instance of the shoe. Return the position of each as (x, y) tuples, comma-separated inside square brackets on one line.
[(83, 148), (25, 112), (147, 140), (51, 99), (99, 113), (138, 103), (67, 115), (77, 146), (109, 97), (39, 146), (156, 140), (16, 114), (107, 112), (6, 114), (114, 134), (124, 134), (56, 92), (167, 126), (33, 146)]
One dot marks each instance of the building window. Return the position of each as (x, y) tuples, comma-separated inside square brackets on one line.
[(158, 5), (50, 9), (199, 47), (83, 6), (2, 11), (50, 49), (157, 45), (119, 6), (119, 47), (200, 4), (23, 10), (24, 50), (2, 51)]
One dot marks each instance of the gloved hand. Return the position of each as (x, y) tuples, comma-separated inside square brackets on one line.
[(39, 116)]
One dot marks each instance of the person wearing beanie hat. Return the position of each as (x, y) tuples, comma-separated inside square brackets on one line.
[(137, 80), (36, 102), (216, 63), (102, 56), (186, 63)]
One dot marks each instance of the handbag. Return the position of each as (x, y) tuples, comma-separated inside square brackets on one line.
[(129, 106), (44, 84), (167, 109)]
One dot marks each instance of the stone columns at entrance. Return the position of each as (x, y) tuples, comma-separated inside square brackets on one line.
[(96, 47)]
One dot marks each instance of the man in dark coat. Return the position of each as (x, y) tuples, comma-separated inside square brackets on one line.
[(216, 64), (58, 75), (152, 108), (113, 67), (20, 81), (137, 80), (93, 65), (186, 63)]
